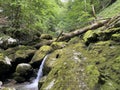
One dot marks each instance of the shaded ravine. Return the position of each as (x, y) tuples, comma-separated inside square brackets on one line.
[(34, 84)]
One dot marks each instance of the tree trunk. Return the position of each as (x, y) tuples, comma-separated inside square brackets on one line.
[(83, 30), (67, 36)]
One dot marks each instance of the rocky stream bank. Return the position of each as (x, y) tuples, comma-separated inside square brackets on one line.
[(87, 62)]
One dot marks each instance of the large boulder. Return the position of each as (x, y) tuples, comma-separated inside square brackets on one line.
[(24, 68), (20, 54), (78, 68), (23, 71), (67, 71), (107, 34), (5, 65), (7, 41), (40, 54), (50, 61)]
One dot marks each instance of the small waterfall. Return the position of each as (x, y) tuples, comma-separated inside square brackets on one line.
[(34, 85), (40, 72)]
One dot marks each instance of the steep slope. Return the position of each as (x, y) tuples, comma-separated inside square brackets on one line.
[(110, 11)]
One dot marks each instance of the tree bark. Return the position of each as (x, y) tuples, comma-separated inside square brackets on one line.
[(83, 30), (72, 34)]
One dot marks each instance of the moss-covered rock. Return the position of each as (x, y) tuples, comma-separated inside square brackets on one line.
[(23, 72), (116, 37), (90, 36), (46, 36), (40, 54), (58, 45), (106, 55), (93, 74), (24, 55), (74, 40), (7, 41), (78, 67), (5, 65), (20, 54), (50, 62), (24, 69), (67, 70), (107, 34)]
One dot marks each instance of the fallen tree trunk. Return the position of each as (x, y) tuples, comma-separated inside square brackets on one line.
[(67, 36), (83, 30)]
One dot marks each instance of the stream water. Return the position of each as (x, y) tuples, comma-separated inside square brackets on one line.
[(34, 84)]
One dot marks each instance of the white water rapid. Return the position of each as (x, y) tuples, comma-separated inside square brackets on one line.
[(34, 85)]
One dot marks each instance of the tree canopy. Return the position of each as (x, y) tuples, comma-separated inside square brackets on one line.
[(51, 15)]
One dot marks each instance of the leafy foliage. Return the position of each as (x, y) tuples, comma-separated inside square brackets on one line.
[(50, 16), (40, 14)]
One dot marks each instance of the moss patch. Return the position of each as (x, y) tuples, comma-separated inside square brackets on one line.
[(20, 54), (116, 37), (68, 69), (89, 37), (78, 67), (46, 36), (40, 54), (107, 61), (58, 45)]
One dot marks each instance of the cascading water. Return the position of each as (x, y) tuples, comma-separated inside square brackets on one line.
[(40, 72), (34, 85)]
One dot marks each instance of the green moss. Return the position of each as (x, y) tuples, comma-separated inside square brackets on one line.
[(58, 45), (67, 69), (74, 40), (40, 54), (46, 49), (110, 85), (107, 59), (46, 36), (8, 88), (77, 68), (93, 75), (23, 53), (90, 36), (2, 56), (23, 68), (107, 34), (20, 53), (116, 37)]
